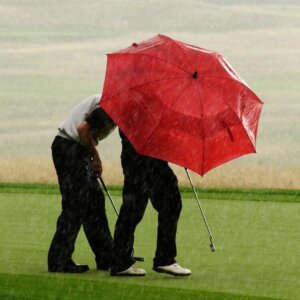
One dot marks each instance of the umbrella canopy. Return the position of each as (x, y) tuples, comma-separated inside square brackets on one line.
[(180, 103)]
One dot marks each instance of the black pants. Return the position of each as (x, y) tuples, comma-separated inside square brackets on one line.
[(145, 178), (83, 203)]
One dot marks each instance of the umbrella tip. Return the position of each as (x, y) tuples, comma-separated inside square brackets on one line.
[(195, 75), (134, 44)]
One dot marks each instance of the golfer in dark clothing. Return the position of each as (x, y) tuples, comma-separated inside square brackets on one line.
[(77, 164), (144, 178), (83, 201)]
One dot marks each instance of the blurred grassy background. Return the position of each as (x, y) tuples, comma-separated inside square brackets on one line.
[(53, 55)]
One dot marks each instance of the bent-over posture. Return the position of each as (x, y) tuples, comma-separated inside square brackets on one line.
[(77, 165)]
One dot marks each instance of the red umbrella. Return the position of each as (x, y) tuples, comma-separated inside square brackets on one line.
[(180, 103)]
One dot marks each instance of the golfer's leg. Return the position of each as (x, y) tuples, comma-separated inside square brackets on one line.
[(96, 227), (131, 213), (135, 198), (69, 168), (62, 245), (166, 200)]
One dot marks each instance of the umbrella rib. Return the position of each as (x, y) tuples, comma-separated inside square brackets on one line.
[(178, 97), (202, 128), (226, 78), (144, 83), (223, 99), (237, 81), (145, 110), (160, 119), (182, 48), (242, 124), (143, 106), (158, 58), (180, 45)]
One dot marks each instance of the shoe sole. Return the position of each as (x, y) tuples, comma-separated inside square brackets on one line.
[(171, 273), (70, 272), (75, 271), (127, 275)]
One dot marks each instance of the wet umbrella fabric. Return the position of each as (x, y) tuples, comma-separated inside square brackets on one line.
[(180, 103)]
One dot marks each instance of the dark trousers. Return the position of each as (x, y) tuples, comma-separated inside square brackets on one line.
[(144, 178), (83, 203)]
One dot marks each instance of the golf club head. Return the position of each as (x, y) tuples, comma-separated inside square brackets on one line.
[(212, 247), (137, 258)]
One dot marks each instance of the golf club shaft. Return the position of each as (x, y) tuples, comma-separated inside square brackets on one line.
[(117, 213), (108, 195), (212, 246)]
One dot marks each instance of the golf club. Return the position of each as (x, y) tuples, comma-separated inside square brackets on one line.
[(136, 258), (212, 246)]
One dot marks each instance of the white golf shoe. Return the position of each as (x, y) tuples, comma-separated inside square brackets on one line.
[(131, 271), (174, 269)]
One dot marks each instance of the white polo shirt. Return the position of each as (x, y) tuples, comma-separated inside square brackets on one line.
[(68, 128)]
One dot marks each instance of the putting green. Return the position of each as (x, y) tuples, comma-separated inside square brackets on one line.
[(258, 249)]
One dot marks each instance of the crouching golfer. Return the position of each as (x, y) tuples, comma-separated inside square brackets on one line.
[(77, 165)]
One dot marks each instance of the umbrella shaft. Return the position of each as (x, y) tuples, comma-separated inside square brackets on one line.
[(199, 204)]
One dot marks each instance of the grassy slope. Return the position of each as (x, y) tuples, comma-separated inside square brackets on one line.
[(257, 249)]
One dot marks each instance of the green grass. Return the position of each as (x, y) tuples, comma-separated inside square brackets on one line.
[(20, 287), (279, 195), (258, 249), (23, 287)]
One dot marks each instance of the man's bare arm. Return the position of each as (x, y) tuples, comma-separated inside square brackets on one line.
[(85, 134)]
